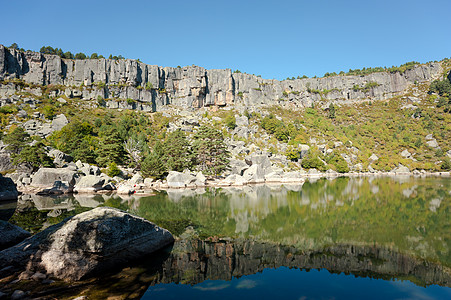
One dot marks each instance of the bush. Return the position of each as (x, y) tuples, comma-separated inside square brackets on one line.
[(339, 163), (313, 162), (113, 170), (230, 121), (446, 164)]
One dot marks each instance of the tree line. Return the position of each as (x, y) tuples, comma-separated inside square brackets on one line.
[(128, 141)]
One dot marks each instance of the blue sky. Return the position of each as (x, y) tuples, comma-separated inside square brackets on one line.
[(275, 39)]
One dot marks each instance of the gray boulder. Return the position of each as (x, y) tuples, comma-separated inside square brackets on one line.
[(237, 166), (136, 179), (59, 122), (88, 184), (60, 159), (5, 162), (401, 169), (11, 235), (8, 190), (254, 174), (303, 150), (179, 180), (87, 244), (46, 177)]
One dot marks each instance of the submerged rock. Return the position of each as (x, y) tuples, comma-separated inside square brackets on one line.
[(87, 243)]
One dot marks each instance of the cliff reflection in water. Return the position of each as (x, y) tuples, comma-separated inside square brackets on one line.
[(194, 261)]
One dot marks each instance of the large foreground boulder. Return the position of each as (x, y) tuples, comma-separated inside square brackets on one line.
[(87, 244), (8, 190), (11, 235)]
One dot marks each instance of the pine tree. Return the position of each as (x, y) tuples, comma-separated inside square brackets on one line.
[(111, 148), (16, 140), (178, 155), (211, 151), (331, 114), (153, 163)]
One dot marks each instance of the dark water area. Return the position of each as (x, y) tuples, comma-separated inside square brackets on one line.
[(347, 238)]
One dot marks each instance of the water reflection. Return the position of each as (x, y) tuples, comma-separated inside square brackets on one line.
[(376, 227)]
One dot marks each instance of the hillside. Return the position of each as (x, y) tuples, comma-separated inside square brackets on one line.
[(109, 112)]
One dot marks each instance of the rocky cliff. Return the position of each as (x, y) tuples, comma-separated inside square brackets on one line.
[(152, 87)]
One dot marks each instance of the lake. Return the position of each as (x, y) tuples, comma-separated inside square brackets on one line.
[(346, 238)]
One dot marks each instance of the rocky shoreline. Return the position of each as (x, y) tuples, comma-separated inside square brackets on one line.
[(147, 187)]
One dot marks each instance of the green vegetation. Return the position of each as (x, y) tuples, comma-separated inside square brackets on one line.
[(177, 153), (211, 152)]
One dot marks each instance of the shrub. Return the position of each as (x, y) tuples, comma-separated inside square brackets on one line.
[(113, 170), (446, 164), (312, 161)]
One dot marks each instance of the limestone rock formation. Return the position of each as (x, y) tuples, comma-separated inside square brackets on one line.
[(87, 243), (153, 87)]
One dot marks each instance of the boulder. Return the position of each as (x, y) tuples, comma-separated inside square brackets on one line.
[(432, 143), (11, 235), (136, 179), (237, 166), (58, 188), (401, 169), (254, 174), (59, 122), (87, 244), (373, 158), (201, 180), (292, 177), (234, 179), (8, 190), (179, 180), (125, 189), (5, 162), (60, 159), (262, 160), (46, 177), (90, 183), (303, 150)]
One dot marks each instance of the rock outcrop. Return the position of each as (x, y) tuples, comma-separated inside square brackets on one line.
[(87, 243), (8, 190), (152, 87)]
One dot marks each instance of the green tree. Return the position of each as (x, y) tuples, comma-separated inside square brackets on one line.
[(33, 157), (331, 113), (178, 154), (210, 150), (152, 165), (16, 140), (80, 56), (14, 46), (339, 163), (312, 161), (76, 139), (94, 56), (111, 148)]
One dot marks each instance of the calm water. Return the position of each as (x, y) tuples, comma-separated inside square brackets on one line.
[(361, 238)]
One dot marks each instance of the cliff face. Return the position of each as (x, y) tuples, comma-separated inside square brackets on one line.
[(192, 87)]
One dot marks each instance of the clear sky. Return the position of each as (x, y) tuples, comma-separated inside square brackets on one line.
[(275, 39)]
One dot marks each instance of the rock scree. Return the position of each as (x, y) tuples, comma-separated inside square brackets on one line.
[(86, 244)]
